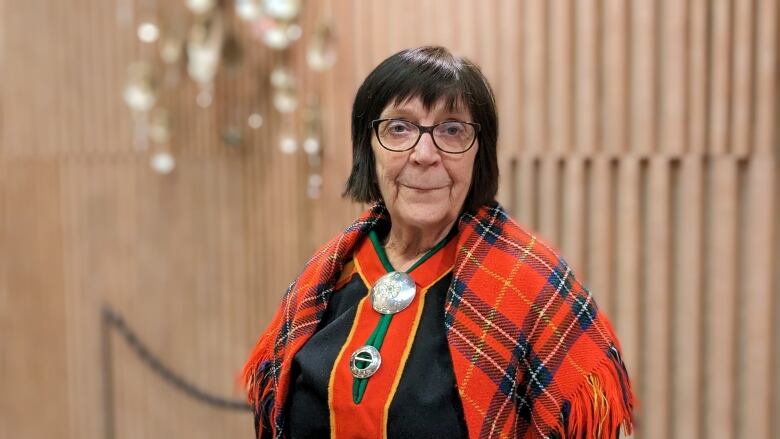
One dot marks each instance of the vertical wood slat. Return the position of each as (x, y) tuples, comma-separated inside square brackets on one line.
[(487, 43), (573, 215), (5, 305), (560, 110), (466, 23), (626, 312), (379, 39), (534, 47), (586, 85), (79, 424), (766, 145), (20, 125), (524, 190), (614, 79), (549, 199), (673, 57), (447, 31), (132, 379), (36, 319), (428, 36), (742, 77), (390, 16), (696, 79), (766, 87), (775, 414), (755, 301), (643, 91), (509, 98), (655, 303), (686, 404), (720, 300), (601, 220), (720, 69), (91, 99)]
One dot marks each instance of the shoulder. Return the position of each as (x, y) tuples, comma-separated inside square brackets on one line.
[(569, 340), (494, 240), (508, 264), (327, 262)]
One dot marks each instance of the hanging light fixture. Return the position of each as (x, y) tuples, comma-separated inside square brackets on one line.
[(148, 32), (161, 160), (140, 94), (204, 46), (321, 51), (285, 99), (210, 43), (248, 10), (201, 6)]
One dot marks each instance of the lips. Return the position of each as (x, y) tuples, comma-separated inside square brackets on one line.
[(424, 188)]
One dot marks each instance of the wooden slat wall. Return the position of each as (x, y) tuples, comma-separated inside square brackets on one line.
[(640, 138)]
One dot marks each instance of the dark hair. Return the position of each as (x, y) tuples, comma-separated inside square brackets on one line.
[(431, 73)]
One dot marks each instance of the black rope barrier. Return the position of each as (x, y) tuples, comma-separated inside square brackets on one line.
[(113, 321)]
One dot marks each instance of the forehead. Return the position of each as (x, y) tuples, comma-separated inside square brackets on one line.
[(415, 105)]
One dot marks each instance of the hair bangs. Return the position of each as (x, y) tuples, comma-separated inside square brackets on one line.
[(429, 79)]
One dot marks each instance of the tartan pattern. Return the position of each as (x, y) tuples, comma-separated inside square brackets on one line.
[(532, 354)]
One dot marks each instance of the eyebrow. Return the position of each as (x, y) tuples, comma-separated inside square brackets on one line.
[(407, 114)]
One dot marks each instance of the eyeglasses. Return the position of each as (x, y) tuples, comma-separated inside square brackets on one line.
[(452, 136)]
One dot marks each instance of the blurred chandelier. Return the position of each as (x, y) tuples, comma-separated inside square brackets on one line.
[(209, 45)]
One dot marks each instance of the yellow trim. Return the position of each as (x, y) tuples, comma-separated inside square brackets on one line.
[(407, 350), (346, 273), (336, 363), (359, 270)]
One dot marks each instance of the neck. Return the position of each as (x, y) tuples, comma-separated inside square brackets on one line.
[(406, 244)]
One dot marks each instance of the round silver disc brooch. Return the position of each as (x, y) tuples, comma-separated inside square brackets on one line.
[(393, 292)]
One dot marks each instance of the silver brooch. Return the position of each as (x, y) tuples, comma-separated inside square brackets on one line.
[(369, 359), (393, 292)]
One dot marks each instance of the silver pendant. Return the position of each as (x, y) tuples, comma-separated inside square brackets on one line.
[(365, 354), (393, 292)]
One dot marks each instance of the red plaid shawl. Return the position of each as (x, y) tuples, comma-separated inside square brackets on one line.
[(532, 354)]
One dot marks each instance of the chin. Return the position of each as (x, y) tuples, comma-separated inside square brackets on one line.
[(423, 215)]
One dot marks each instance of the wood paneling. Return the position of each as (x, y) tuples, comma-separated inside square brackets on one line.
[(638, 137), (34, 345), (687, 200), (720, 290)]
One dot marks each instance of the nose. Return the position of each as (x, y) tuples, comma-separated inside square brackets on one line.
[(425, 152)]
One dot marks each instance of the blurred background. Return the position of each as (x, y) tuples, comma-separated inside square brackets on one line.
[(167, 166)]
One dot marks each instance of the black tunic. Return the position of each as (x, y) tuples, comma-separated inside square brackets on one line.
[(426, 402)]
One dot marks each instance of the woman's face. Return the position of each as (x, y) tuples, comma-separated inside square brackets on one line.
[(423, 187)]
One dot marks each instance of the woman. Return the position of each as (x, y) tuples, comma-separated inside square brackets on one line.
[(435, 314)]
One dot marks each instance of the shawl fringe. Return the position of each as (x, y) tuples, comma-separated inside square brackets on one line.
[(258, 378), (598, 406), (602, 403)]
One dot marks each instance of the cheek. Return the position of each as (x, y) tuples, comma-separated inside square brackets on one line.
[(464, 174), (468, 175), (387, 169)]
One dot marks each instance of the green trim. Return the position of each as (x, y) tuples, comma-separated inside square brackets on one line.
[(380, 251), (377, 337)]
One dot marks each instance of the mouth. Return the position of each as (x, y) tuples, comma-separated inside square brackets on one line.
[(423, 188)]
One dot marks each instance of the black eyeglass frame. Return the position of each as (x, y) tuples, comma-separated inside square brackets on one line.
[(425, 129)]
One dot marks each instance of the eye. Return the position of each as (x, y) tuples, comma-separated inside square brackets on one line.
[(397, 128), (451, 129)]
